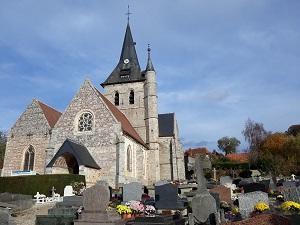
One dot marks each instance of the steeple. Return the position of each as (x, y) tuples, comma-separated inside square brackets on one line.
[(149, 66), (128, 68)]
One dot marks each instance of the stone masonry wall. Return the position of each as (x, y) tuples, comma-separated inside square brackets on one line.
[(30, 129)]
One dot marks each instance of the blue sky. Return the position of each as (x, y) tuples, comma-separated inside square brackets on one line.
[(218, 62)]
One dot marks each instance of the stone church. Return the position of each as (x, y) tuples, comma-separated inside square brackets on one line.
[(116, 135)]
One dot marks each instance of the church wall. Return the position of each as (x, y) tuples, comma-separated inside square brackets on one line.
[(138, 170), (135, 113), (171, 164), (30, 129), (101, 141)]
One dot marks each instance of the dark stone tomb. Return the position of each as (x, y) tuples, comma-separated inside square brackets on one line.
[(254, 187), (160, 220), (166, 197)]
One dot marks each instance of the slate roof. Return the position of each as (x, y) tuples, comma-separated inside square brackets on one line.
[(129, 71), (79, 151), (125, 124), (166, 124), (238, 157), (51, 114)]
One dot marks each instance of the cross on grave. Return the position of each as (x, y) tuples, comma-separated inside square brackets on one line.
[(215, 173), (53, 191)]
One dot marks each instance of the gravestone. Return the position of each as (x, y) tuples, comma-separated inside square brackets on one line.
[(5, 218), (225, 180), (161, 182), (159, 220), (203, 204), (291, 194), (95, 201), (266, 183), (224, 194), (166, 197), (289, 183), (236, 181), (62, 213), (254, 187), (249, 200), (132, 191), (68, 190)]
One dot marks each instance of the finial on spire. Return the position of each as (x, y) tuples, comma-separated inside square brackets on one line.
[(149, 49), (128, 13), (149, 66)]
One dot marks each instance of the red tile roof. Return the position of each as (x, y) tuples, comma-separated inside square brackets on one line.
[(51, 114), (239, 157), (192, 152), (125, 124)]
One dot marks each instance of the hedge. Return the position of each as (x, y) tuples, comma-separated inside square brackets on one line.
[(30, 185), (231, 165)]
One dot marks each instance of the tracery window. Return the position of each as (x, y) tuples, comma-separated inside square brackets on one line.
[(131, 97), (129, 159), (29, 158), (85, 122), (117, 98)]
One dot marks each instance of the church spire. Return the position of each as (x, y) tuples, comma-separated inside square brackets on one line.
[(128, 68), (149, 66)]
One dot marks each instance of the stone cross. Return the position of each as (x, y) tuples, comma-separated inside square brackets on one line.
[(201, 188), (215, 173), (53, 191)]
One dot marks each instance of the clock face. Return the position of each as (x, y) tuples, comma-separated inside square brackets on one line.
[(126, 61)]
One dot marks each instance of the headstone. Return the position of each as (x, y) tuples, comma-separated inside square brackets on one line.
[(292, 194), (95, 201), (68, 191), (293, 176), (242, 183), (236, 181), (161, 182), (203, 204), (254, 187), (224, 194), (166, 197), (225, 180), (132, 191), (266, 183), (249, 200), (289, 183), (216, 196)]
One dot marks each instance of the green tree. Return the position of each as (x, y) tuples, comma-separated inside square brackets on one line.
[(255, 134), (228, 145), (2, 147), (294, 130)]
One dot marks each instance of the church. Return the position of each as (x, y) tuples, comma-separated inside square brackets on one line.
[(117, 135)]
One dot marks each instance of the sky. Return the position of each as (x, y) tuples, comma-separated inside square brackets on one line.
[(217, 62)]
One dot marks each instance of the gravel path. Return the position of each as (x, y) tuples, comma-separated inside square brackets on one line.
[(27, 216)]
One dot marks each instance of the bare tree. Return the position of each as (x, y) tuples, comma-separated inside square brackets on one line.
[(255, 134)]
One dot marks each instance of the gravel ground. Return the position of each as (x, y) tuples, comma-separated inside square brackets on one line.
[(27, 216)]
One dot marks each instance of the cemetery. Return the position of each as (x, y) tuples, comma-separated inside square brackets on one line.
[(217, 201)]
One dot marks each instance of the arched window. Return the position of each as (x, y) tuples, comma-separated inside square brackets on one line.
[(117, 98), (131, 97), (85, 122), (29, 159), (129, 159)]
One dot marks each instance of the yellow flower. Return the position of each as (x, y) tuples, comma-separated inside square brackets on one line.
[(235, 210), (123, 209), (261, 206), (290, 205)]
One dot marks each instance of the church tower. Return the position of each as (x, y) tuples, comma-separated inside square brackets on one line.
[(133, 92)]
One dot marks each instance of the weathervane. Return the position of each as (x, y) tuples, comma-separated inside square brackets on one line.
[(128, 13)]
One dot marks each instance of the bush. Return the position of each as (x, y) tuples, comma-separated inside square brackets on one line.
[(245, 173)]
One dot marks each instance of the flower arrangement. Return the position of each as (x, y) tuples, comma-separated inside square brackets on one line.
[(270, 192), (123, 209), (136, 206), (78, 187), (149, 210), (290, 207), (279, 197), (261, 206)]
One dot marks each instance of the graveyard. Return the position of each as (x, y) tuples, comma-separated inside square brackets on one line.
[(220, 200)]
